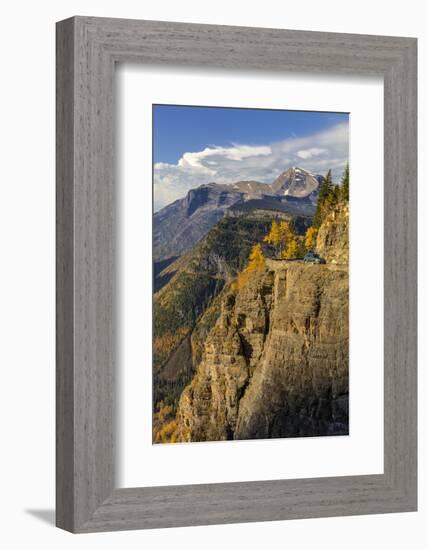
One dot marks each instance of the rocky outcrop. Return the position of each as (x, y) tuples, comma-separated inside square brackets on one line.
[(333, 236), (300, 387), (209, 406), (276, 362), (180, 225)]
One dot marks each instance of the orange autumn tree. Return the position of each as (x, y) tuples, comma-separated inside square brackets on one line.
[(256, 262), (291, 252), (167, 433), (292, 245), (274, 236), (279, 236), (286, 234), (164, 424), (311, 238)]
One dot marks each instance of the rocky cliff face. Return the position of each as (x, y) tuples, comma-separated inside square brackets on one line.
[(333, 236), (209, 406), (275, 364), (300, 387)]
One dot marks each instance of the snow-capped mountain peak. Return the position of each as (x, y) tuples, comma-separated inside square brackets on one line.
[(296, 182)]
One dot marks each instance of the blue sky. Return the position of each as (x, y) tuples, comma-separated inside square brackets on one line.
[(197, 145)]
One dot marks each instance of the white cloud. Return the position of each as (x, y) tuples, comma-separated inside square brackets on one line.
[(312, 152), (317, 153)]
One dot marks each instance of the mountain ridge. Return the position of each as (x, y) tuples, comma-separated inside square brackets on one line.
[(180, 225)]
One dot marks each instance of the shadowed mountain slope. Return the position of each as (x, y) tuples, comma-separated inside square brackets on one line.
[(180, 225)]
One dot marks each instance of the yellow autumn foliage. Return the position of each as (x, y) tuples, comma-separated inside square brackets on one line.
[(274, 236), (256, 262), (166, 434), (291, 252), (164, 424), (285, 232), (311, 238), (256, 259), (279, 236)]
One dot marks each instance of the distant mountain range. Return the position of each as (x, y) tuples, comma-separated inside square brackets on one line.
[(180, 225)]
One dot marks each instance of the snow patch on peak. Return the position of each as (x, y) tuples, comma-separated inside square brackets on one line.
[(299, 170)]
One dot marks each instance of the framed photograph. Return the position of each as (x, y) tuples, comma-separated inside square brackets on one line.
[(236, 274), (251, 321)]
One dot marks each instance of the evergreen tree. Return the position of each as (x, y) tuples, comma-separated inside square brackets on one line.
[(337, 194), (345, 184), (325, 199)]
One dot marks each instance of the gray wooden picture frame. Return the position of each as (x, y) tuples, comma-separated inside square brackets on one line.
[(87, 50)]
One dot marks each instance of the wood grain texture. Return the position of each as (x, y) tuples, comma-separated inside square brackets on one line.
[(87, 49), (64, 276)]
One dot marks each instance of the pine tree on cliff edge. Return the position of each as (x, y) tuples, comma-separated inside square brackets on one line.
[(324, 197), (345, 184)]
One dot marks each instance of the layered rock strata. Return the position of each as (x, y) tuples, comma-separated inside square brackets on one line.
[(276, 362)]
